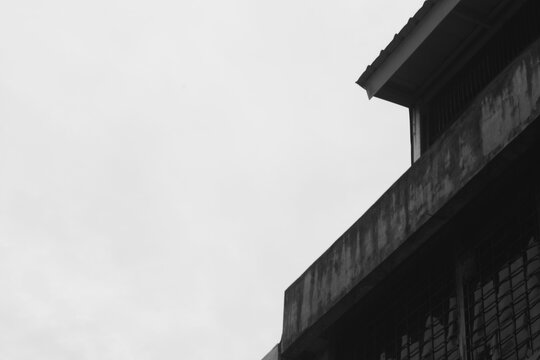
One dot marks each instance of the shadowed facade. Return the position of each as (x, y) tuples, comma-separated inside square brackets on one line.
[(446, 264)]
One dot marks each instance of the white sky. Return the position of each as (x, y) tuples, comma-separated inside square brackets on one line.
[(168, 168)]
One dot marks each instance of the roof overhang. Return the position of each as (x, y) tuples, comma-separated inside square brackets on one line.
[(433, 44)]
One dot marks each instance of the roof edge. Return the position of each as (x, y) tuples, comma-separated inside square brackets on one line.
[(404, 44)]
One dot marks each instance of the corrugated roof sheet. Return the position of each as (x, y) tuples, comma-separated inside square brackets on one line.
[(398, 38), (430, 48)]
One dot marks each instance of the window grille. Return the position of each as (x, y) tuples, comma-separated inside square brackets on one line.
[(450, 102), (472, 291), (418, 320), (503, 301)]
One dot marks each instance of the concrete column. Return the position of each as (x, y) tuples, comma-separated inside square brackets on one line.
[(536, 190), (416, 139), (464, 272)]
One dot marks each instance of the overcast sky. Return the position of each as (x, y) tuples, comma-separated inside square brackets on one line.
[(168, 168)]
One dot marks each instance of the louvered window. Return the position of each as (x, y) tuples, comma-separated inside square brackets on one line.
[(503, 301)]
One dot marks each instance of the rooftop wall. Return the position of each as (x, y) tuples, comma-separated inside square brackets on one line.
[(390, 229)]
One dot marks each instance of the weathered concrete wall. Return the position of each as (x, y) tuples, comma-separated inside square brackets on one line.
[(273, 354), (500, 113)]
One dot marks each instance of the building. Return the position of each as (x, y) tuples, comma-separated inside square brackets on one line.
[(446, 264)]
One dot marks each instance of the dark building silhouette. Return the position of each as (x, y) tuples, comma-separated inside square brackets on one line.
[(446, 264)]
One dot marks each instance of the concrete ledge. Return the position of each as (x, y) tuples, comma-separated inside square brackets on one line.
[(396, 224), (273, 354)]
